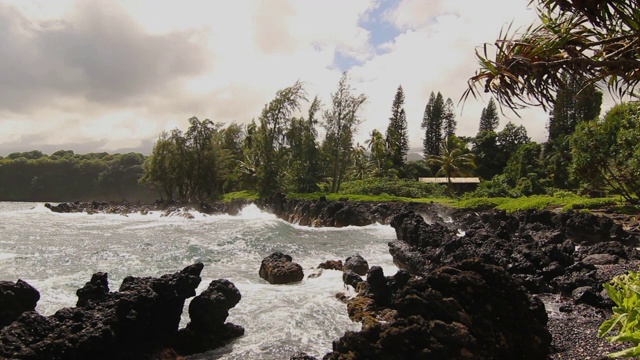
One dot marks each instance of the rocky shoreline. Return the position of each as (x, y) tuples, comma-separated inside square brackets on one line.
[(139, 321), (531, 280)]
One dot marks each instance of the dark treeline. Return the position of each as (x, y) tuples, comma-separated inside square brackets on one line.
[(281, 151), (65, 176)]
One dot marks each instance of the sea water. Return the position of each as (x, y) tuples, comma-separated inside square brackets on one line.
[(58, 253)]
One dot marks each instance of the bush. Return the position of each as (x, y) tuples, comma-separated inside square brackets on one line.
[(494, 188), (393, 187), (624, 290)]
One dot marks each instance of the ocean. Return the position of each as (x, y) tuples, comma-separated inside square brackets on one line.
[(58, 253)]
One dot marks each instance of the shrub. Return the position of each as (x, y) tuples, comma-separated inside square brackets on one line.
[(624, 290), (393, 187)]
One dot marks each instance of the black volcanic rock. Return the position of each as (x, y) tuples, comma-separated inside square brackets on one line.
[(279, 268), (15, 299), (208, 313), (138, 321), (536, 247), (468, 311), (357, 264)]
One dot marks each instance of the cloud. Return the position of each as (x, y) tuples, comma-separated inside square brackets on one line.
[(116, 73)]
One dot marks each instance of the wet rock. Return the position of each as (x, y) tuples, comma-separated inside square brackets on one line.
[(136, 322), (351, 278), (472, 310), (357, 264), (15, 299), (279, 268), (331, 265), (208, 313), (96, 290), (302, 356)]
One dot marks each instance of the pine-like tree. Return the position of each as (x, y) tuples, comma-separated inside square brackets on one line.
[(340, 123), (449, 120), (574, 103), (432, 123), (489, 119), (397, 138)]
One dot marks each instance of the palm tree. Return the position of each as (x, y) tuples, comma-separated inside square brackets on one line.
[(454, 160), (376, 144)]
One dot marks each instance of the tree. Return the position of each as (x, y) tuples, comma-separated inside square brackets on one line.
[(489, 156), (492, 150), (432, 123), (270, 138), (397, 138), (574, 103), (340, 122), (511, 137), (377, 147), (606, 154), (489, 119), (449, 119), (304, 160), (454, 160), (596, 40), (523, 169)]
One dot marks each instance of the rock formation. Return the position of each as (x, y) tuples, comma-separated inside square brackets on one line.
[(279, 268), (139, 321)]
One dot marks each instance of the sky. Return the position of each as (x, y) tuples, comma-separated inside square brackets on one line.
[(93, 76)]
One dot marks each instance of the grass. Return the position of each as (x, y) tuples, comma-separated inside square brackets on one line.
[(564, 201)]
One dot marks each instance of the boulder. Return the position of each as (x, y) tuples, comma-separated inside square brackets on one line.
[(279, 268), (357, 264), (15, 299)]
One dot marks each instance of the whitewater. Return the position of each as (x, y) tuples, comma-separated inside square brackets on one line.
[(58, 253)]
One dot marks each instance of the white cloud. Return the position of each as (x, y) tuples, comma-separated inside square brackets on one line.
[(114, 74)]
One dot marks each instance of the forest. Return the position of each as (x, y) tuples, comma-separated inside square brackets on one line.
[(281, 152)]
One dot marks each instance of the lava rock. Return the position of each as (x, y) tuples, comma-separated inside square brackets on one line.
[(279, 268), (208, 313), (15, 299), (136, 322), (357, 264), (351, 278), (331, 265), (471, 310)]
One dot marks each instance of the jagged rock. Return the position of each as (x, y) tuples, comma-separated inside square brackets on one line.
[(351, 278), (472, 310), (279, 268), (532, 246), (208, 313), (357, 264), (96, 290), (331, 265), (15, 299), (137, 322)]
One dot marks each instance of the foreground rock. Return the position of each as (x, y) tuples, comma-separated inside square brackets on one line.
[(469, 311), (139, 321), (279, 268), (15, 299)]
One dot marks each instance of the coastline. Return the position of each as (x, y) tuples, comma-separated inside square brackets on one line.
[(571, 322)]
